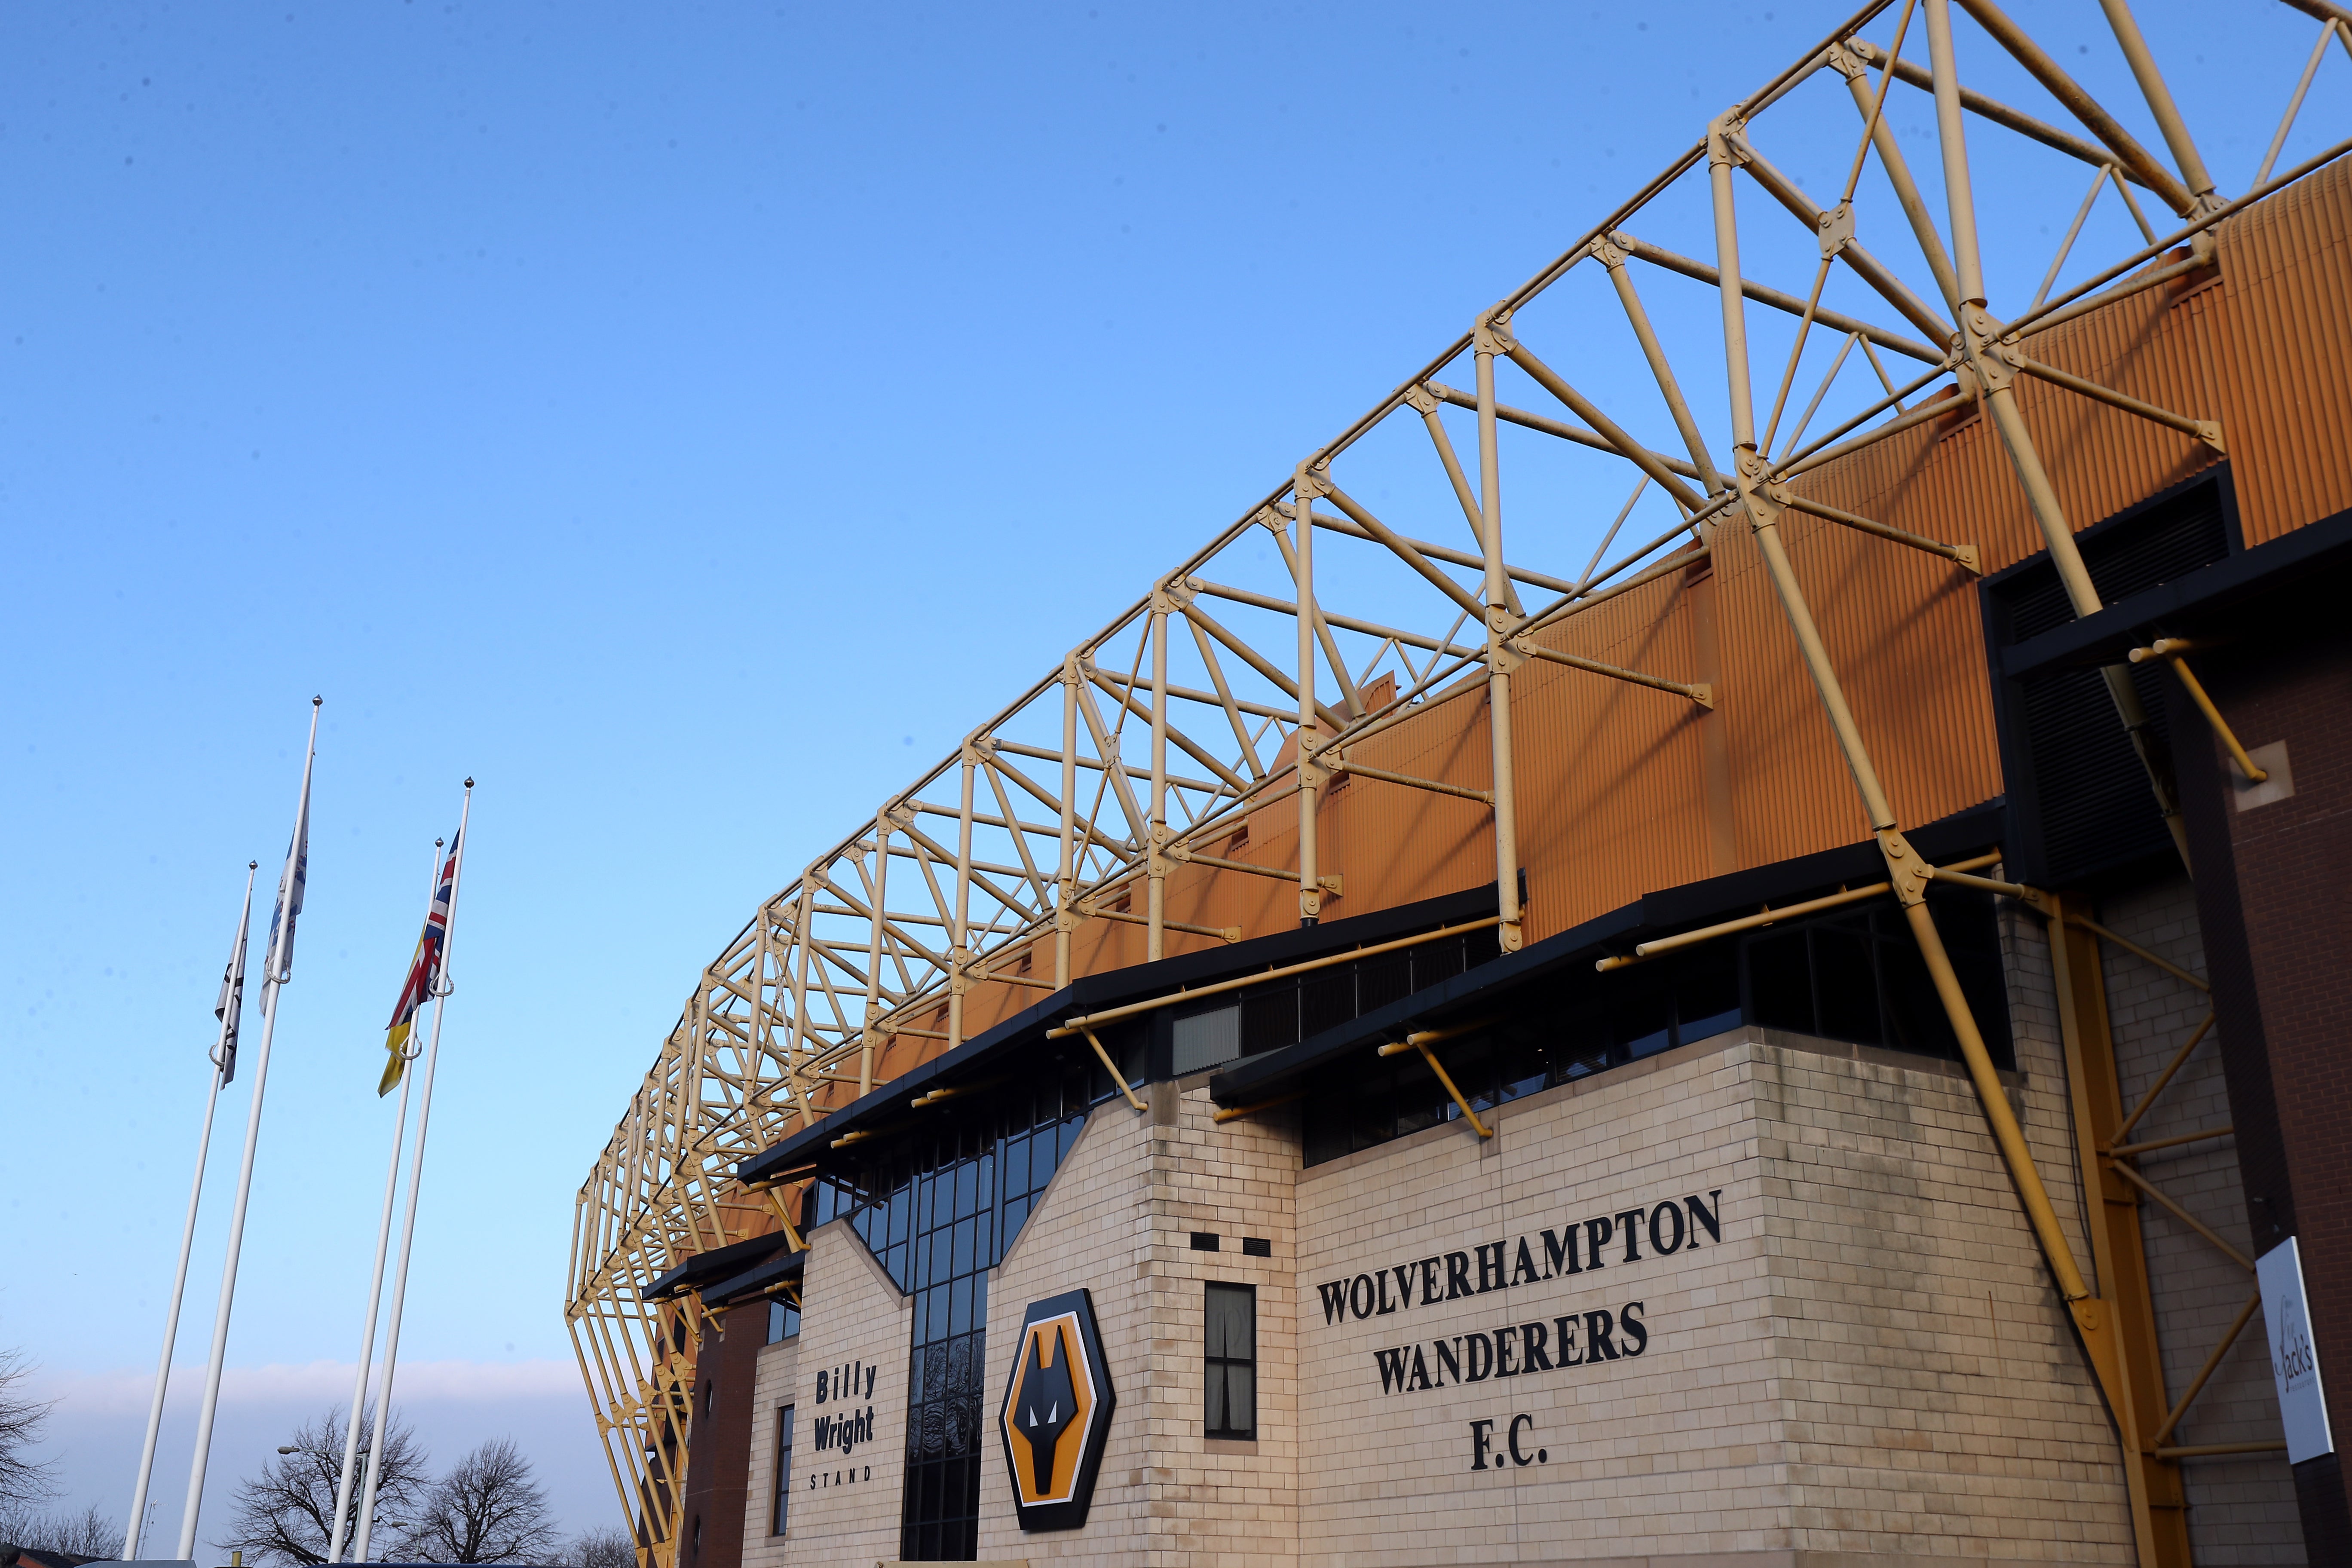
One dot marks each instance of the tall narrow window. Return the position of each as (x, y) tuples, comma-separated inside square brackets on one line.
[(783, 1467), (1229, 1372)]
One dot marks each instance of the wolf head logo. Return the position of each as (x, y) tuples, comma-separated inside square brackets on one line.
[(1056, 1417), (1047, 1405)]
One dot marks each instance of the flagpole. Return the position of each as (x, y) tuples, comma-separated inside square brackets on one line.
[(375, 1286), (219, 1059), (288, 884), (415, 1180)]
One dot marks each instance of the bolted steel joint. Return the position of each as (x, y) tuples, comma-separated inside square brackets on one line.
[(1420, 399), (1906, 870), (1610, 251), (1310, 483), (1491, 333), (1505, 652), (1835, 228), (1994, 359), (1762, 501)]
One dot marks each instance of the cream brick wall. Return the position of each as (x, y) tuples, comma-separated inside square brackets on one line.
[(2240, 1510), (775, 1385), (845, 1510), (1224, 1501), (1119, 1220), (1869, 1362)]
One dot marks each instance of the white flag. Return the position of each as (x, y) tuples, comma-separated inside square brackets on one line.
[(231, 1006), (298, 870)]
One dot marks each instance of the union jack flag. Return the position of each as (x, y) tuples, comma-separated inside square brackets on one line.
[(424, 974)]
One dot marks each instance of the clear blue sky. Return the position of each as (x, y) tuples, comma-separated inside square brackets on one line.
[(631, 408)]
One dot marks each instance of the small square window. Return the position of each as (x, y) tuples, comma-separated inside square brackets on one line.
[(1205, 1241), (1256, 1246)]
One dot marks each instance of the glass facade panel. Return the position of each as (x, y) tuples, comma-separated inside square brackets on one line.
[(784, 1320), (937, 1214)]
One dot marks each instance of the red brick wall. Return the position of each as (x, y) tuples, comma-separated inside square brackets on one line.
[(718, 1469)]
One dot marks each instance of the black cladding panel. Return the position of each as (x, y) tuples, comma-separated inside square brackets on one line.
[(2080, 799)]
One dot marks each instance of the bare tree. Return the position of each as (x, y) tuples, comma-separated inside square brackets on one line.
[(88, 1534), (282, 1515), (609, 1547), (486, 1509), (23, 1481)]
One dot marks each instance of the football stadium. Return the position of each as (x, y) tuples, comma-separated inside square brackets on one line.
[(1850, 965)]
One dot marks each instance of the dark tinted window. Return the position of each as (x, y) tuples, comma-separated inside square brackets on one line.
[(1849, 974), (1285, 1012), (783, 1468), (1229, 1361)]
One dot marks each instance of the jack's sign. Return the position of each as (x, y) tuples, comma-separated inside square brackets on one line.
[(1056, 1414)]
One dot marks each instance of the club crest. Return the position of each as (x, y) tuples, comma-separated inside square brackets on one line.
[(1056, 1414)]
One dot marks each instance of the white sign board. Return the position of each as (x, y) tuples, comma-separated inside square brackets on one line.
[(2294, 1361)]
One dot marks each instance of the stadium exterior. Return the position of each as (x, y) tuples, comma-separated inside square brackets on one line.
[(1818, 1041)]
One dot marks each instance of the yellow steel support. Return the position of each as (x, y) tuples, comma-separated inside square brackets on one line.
[(2135, 1397), (1417, 1043)]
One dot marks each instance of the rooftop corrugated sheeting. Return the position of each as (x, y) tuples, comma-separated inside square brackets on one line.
[(2288, 298), (1612, 777), (1623, 790)]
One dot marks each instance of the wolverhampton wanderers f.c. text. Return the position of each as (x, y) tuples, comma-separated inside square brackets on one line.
[(1555, 1341)]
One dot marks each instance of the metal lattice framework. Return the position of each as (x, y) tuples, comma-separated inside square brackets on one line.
[(1161, 731)]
